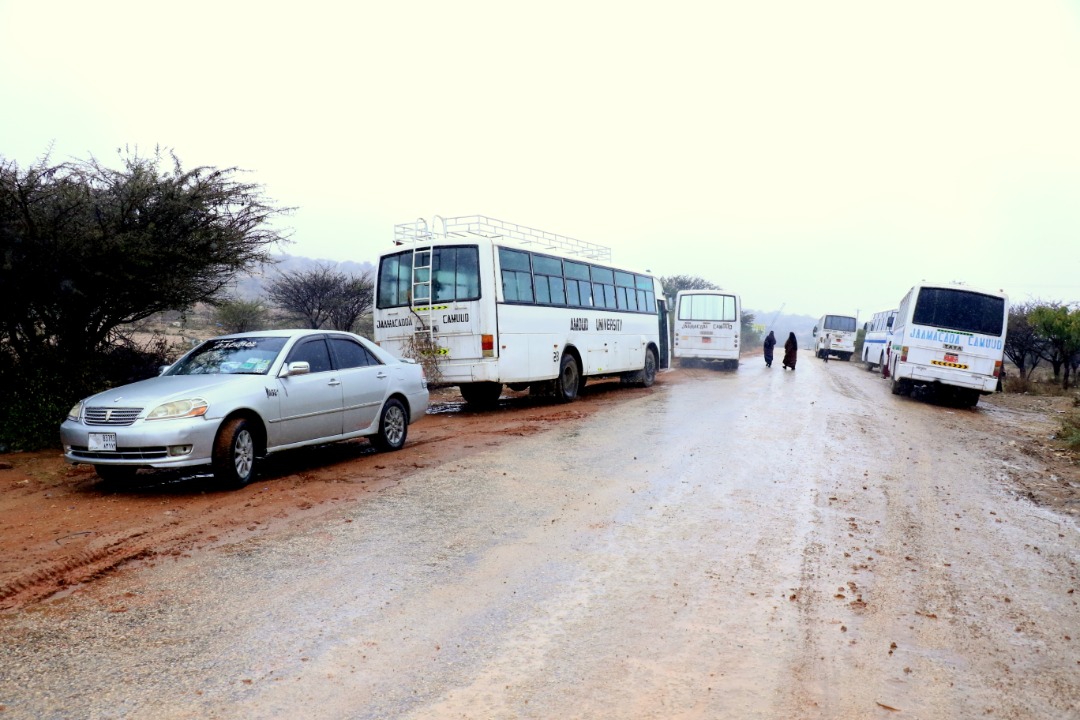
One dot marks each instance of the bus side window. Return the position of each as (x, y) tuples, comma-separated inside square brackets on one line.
[(578, 286), (547, 274), (516, 275)]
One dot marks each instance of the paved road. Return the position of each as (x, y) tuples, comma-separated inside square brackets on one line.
[(750, 544)]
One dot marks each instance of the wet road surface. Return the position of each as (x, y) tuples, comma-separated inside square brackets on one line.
[(750, 544)]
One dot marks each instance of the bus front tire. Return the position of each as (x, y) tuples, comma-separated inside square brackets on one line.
[(569, 380), (481, 394)]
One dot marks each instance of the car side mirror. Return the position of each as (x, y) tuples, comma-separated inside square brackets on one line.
[(815, 331), (295, 368)]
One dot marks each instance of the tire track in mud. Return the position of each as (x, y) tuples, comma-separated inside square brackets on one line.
[(49, 578)]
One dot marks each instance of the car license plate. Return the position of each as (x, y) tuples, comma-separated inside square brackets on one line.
[(102, 441), (706, 339), (949, 357)]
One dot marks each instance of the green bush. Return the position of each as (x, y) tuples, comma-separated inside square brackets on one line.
[(35, 396), (1070, 430)]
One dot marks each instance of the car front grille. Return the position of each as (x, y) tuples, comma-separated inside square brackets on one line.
[(125, 453), (111, 416)]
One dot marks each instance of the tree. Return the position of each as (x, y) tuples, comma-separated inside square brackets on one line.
[(1023, 345), (236, 315), (672, 285), (86, 249), (750, 336), (323, 296), (1060, 326)]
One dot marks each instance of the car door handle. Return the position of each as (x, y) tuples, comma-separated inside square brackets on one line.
[(334, 382), (381, 375)]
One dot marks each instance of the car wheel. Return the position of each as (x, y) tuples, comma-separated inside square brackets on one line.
[(393, 426), (569, 380), (114, 475), (481, 394), (234, 454), (648, 373)]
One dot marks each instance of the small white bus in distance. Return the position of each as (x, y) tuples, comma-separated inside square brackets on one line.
[(840, 330), (500, 303), (950, 338), (707, 324), (878, 332)]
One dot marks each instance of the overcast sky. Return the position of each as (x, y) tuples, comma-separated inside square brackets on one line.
[(821, 156)]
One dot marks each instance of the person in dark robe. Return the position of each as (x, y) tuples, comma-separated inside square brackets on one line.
[(791, 349), (770, 343)]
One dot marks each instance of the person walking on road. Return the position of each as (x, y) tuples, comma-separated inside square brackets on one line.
[(770, 343), (791, 349), (826, 346)]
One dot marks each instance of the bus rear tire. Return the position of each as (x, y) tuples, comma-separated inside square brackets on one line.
[(568, 382), (648, 373), (481, 394)]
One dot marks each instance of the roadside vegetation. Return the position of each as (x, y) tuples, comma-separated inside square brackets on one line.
[(108, 273)]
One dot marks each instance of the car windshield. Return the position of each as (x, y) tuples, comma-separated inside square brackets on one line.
[(235, 356)]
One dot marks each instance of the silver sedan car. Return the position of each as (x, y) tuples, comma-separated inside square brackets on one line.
[(237, 398)]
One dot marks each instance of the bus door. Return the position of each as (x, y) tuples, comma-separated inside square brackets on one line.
[(662, 317)]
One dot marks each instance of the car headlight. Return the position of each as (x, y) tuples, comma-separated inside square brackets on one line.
[(194, 407), (75, 413)]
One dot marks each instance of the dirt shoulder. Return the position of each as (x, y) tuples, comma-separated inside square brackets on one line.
[(59, 528)]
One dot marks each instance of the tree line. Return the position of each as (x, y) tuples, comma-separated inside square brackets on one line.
[(1044, 332)]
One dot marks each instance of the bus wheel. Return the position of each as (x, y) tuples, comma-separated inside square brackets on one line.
[(566, 385), (481, 394), (845, 357), (967, 398), (648, 373)]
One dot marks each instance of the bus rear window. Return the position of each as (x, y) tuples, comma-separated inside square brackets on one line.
[(455, 276), (963, 310), (714, 308), (842, 323)]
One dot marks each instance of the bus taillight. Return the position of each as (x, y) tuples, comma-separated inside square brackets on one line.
[(903, 354), (997, 368), (487, 345)]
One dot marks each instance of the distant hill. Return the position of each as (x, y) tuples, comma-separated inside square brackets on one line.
[(781, 324), (252, 286)]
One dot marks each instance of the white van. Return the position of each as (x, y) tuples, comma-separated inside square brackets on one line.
[(840, 330)]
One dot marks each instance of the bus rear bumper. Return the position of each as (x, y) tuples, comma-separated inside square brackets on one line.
[(930, 374), (706, 354)]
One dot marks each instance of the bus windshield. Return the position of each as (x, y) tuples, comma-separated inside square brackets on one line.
[(840, 322), (964, 310), (715, 308)]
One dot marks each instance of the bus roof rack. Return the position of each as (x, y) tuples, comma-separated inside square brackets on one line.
[(418, 232)]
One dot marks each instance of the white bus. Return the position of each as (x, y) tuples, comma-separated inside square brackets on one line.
[(707, 324), (841, 334), (950, 338), (878, 332), (501, 303)]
